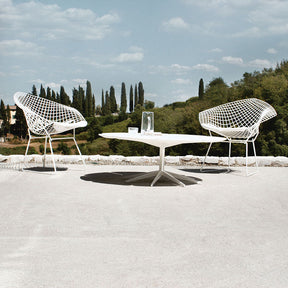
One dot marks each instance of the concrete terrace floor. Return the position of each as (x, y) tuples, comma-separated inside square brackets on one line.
[(91, 229)]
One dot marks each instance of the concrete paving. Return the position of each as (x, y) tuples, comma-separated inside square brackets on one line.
[(92, 229)]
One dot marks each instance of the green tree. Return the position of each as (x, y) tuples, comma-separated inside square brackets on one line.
[(5, 124), (20, 126), (64, 98), (89, 100), (94, 130), (53, 95), (107, 106), (123, 106), (135, 96), (34, 90), (131, 106), (113, 103), (48, 93), (201, 89), (93, 106), (141, 94), (81, 99), (42, 92), (76, 100), (217, 91), (149, 105), (102, 103)]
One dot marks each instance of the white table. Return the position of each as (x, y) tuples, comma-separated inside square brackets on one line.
[(163, 141)]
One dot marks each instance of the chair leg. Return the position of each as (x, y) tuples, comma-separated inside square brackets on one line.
[(78, 149), (246, 158), (201, 169), (45, 149), (255, 156), (254, 149), (229, 155), (52, 154), (27, 148)]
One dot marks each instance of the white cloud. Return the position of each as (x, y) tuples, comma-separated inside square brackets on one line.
[(181, 81), (272, 51), (172, 69), (18, 47), (151, 95), (180, 68), (232, 60), (260, 63), (206, 67), (176, 23), (129, 57), (51, 22), (38, 81), (216, 50), (81, 82), (53, 85)]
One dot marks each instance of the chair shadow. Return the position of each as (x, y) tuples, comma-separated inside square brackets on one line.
[(45, 169), (120, 178), (209, 170)]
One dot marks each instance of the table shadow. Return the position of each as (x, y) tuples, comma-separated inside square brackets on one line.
[(120, 178), (45, 169)]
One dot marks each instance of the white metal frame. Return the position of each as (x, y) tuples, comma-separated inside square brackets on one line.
[(238, 122), (46, 118)]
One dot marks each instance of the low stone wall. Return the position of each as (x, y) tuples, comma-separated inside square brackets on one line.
[(188, 160)]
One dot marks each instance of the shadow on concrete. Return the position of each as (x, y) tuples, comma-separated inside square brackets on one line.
[(45, 169), (120, 178), (208, 170)]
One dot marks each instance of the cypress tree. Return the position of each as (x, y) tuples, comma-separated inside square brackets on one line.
[(113, 102), (123, 107), (201, 89), (34, 90), (136, 96), (53, 95), (64, 98), (5, 124), (107, 104), (75, 100), (58, 98), (42, 92), (81, 100), (89, 100), (141, 94), (103, 103), (93, 106), (48, 94), (131, 107), (20, 124)]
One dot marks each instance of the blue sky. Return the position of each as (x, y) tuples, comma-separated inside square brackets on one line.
[(168, 45)]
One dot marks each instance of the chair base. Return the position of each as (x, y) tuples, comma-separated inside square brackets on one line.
[(246, 142), (51, 148)]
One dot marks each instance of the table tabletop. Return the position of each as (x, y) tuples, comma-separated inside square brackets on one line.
[(161, 139)]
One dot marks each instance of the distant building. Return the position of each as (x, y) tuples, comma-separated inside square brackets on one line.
[(12, 114)]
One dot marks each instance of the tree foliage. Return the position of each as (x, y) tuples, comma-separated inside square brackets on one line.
[(201, 89)]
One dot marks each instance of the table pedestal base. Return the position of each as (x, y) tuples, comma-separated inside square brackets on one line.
[(161, 172), (158, 174)]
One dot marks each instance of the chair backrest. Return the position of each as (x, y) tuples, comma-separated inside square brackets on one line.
[(246, 113), (44, 116)]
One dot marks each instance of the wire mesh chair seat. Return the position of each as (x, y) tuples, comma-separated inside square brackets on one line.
[(45, 118), (238, 122)]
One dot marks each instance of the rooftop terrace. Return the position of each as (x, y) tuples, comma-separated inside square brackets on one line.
[(90, 228)]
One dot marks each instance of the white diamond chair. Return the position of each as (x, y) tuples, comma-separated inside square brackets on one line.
[(238, 122), (46, 118)]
